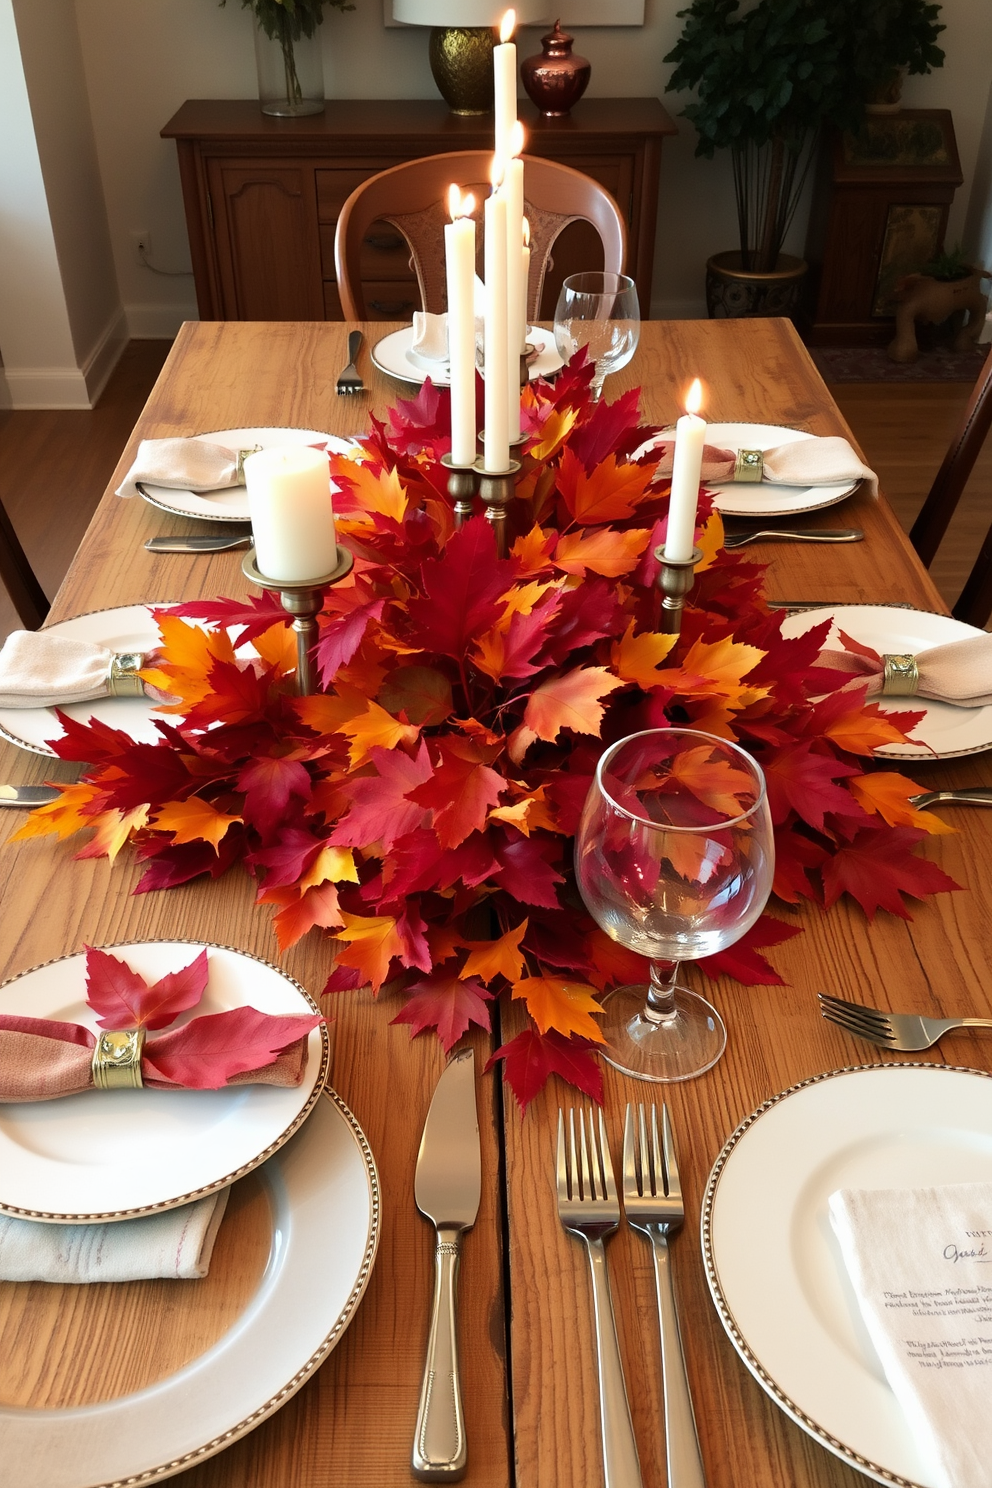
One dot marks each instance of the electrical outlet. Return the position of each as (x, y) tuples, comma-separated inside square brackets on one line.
[(141, 244)]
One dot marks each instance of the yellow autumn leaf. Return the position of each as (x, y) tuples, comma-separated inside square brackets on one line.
[(277, 647), (711, 540), (527, 814), (530, 552), (376, 727), (63, 816), (557, 426), (113, 828), (569, 1007), (886, 793), (194, 820), (722, 665), (371, 942), (332, 864), (379, 491), (492, 958), (601, 551), (636, 658)]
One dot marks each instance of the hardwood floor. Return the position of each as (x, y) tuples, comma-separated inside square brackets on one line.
[(54, 466)]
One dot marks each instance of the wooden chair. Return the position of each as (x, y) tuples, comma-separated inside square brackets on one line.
[(413, 198), (975, 603), (18, 577)]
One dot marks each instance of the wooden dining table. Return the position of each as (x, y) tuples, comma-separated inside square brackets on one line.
[(526, 1327)]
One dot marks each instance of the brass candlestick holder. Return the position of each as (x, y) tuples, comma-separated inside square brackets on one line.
[(496, 489), (462, 488), (675, 580), (303, 599)]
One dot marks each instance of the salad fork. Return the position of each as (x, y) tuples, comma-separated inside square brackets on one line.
[(781, 534), (652, 1201), (589, 1208), (902, 1031), (350, 381)]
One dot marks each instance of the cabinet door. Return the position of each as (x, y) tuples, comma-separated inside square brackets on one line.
[(268, 244)]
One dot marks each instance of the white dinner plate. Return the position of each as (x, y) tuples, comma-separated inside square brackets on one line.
[(762, 499), (231, 504), (113, 1154), (323, 1193), (774, 1267), (945, 731), (392, 355), (128, 629)]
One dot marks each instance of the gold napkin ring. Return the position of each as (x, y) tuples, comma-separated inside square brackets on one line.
[(242, 457), (123, 679), (749, 465), (117, 1060), (901, 677)]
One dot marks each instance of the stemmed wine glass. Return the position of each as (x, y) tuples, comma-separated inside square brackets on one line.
[(600, 312), (674, 859)]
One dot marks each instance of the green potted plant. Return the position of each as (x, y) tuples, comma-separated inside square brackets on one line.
[(888, 39), (287, 54), (766, 79)]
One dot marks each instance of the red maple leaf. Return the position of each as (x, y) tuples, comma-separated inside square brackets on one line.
[(94, 742), (461, 590), (342, 634), (124, 999), (611, 429), (176, 864), (204, 1054), (448, 1004), (878, 867), (586, 614), (460, 792), (741, 960), (525, 871), (268, 783), (288, 857), (147, 774), (531, 1058), (251, 617), (796, 856), (383, 805), (802, 781), (236, 695), (410, 929)]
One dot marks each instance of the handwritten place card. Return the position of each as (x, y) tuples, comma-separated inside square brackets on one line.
[(920, 1262)]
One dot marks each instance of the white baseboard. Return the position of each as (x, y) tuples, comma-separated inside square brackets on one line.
[(105, 355), (47, 387), (158, 322)]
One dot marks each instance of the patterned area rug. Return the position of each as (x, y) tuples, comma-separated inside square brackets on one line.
[(871, 364)]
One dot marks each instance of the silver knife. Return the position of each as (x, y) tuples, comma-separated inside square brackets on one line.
[(27, 796), (447, 1188), (200, 543)]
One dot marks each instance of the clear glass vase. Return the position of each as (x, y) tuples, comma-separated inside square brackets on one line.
[(290, 72)]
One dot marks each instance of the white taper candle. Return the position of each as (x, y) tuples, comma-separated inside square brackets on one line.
[(496, 446), (459, 254), (690, 436)]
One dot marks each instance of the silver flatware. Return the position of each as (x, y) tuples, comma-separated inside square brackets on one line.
[(652, 1202), (902, 1031), (447, 1188), (967, 795), (200, 543), (350, 380), (798, 606), (589, 1208), (28, 796), (781, 534)]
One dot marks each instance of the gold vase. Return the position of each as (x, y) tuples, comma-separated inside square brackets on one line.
[(462, 63)]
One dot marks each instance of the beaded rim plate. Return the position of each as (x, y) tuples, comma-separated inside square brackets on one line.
[(393, 356), (114, 1154), (774, 1268)]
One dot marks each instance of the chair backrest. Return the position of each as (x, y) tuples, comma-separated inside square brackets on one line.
[(18, 577), (975, 603), (413, 198)]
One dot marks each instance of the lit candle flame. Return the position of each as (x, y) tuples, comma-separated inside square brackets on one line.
[(517, 138), (506, 26), (496, 172), (694, 397), (458, 205), (526, 233)]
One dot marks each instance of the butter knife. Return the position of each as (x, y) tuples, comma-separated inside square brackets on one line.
[(28, 796), (447, 1188), (199, 543)]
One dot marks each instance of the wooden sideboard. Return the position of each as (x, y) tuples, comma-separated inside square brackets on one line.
[(262, 195)]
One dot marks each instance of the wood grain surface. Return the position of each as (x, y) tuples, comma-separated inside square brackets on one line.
[(532, 1421)]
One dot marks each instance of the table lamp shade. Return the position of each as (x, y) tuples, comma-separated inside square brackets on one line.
[(463, 13)]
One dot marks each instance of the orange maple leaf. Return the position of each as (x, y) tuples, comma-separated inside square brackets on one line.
[(489, 959), (717, 783), (557, 426), (277, 648), (885, 793), (318, 905), (371, 943), (530, 552), (636, 658), (863, 730), (64, 816), (334, 864), (711, 540), (113, 828), (721, 666), (192, 651), (530, 812), (376, 726), (609, 494), (378, 491), (571, 700), (604, 552), (565, 1006), (193, 820), (325, 712)]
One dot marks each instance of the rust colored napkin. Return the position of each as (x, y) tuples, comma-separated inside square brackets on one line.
[(42, 1059), (828, 461), (959, 672), (183, 465)]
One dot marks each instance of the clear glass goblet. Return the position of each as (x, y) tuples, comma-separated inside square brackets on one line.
[(600, 312), (674, 858)]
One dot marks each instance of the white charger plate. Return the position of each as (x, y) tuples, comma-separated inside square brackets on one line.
[(394, 356), (130, 628), (774, 1267), (114, 1154), (945, 731), (231, 503), (323, 1190)]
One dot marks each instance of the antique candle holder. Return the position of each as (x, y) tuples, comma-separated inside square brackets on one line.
[(675, 580), (463, 485), (303, 599), (496, 489)]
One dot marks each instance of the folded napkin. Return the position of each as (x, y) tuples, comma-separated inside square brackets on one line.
[(920, 1261), (176, 1245), (42, 670), (430, 332), (183, 465), (959, 672), (42, 1059), (828, 461)]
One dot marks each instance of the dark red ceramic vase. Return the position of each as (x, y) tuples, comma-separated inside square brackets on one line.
[(556, 79)]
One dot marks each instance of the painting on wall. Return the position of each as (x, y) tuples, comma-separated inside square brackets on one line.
[(912, 238)]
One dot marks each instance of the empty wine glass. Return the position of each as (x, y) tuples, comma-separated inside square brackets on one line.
[(601, 313), (674, 858)]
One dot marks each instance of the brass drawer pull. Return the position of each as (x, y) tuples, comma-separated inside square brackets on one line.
[(386, 242)]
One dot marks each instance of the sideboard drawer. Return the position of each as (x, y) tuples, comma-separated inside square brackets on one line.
[(385, 253)]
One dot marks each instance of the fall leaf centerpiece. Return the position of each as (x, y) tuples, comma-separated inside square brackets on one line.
[(421, 809)]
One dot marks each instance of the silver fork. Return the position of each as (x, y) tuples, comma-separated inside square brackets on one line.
[(781, 534), (967, 795), (652, 1201), (902, 1031), (350, 381), (589, 1208)]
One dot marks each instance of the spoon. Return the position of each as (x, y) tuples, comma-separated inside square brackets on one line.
[(781, 534)]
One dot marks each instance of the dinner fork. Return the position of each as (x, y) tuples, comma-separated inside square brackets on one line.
[(589, 1208), (902, 1031), (652, 1201), (967, 795), (350, 380), (782, 534)]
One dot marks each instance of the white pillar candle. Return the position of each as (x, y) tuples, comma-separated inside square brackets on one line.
[(292, 519), (459, 255), (690, 436), (496, 445), (505, 83)]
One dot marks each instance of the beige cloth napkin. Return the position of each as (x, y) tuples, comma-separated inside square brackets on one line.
[(430, 332), (42, 670), (920, 1262), (177, 1245), (182, 465), (959, 672), (827, 461)]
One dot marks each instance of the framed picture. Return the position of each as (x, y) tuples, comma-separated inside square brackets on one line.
[(912, 238)]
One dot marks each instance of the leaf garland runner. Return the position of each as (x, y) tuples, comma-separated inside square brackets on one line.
[(467, 700)]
